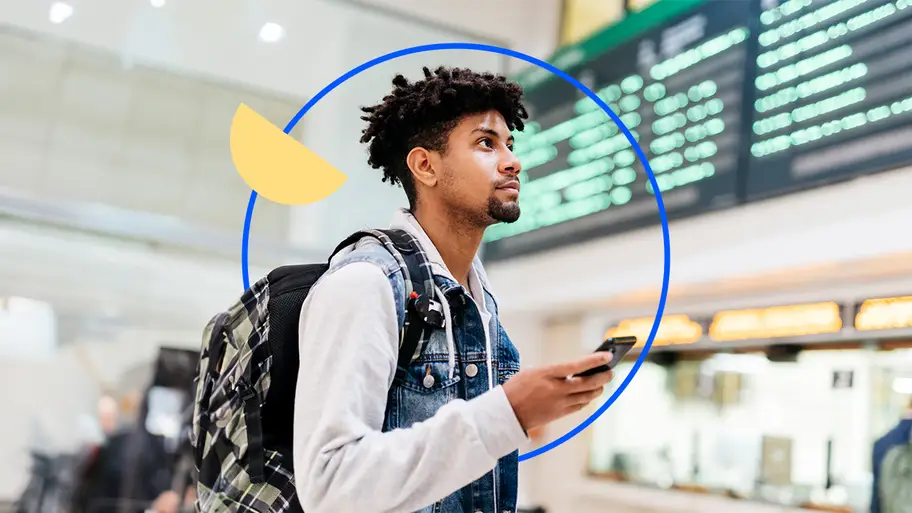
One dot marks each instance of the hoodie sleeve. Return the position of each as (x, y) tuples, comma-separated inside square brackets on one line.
[(342, 459)]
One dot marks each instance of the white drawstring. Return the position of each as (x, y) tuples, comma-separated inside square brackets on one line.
[(451, 343)]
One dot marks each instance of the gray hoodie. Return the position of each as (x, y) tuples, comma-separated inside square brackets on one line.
[(343, 461)]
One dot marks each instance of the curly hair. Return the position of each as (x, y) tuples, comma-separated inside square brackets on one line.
[(424, 112)]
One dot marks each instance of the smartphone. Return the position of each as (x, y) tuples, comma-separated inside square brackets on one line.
[(618, 347)]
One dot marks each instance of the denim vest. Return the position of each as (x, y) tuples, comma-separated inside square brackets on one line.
[(419, 397)]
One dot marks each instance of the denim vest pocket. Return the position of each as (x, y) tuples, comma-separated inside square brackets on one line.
[(425, 387), (504, 373)]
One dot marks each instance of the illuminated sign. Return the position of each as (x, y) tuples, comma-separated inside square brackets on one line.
[(884, 313), (582, 18), (673, 330), (779, 321)]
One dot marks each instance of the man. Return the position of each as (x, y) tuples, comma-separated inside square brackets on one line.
[(892, 488), (447, 439)]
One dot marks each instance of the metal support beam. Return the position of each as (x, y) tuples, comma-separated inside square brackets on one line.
[(152, 229)]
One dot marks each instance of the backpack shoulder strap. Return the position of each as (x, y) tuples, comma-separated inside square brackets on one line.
[(423, 311)]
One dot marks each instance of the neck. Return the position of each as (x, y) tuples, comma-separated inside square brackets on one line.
[(456, 242)]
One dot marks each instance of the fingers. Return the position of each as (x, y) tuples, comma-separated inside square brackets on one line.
[(586, 383), (573, 409), (577, 402), (584, 398), (590, 361)]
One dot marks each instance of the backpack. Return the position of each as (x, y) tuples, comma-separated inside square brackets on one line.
[(242, 426), (896, 480)]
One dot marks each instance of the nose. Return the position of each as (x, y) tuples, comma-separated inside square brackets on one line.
[(510, 164)]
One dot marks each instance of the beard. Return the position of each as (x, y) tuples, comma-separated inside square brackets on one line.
[(503, 212)]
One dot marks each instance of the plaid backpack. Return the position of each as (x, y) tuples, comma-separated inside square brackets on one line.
[(243, 417)]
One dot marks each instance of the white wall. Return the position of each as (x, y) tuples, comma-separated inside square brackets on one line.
[(84, 128)]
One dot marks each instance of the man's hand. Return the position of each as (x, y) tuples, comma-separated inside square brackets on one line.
[(541, 395)]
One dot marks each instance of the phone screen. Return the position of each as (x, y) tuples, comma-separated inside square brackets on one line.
[(618, 347)]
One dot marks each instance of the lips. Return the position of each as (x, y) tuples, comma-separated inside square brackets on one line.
[(511, 185)]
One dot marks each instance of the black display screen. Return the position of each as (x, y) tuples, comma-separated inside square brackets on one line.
[(731, 102), (833, 92), (678, 88)]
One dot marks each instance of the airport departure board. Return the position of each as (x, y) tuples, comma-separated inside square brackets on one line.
[(731, 101), (678, 88), (833, 92)]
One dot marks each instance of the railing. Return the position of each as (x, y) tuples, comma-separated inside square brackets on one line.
[(144, 227)]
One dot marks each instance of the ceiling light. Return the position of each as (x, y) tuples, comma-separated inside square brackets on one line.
[(157, 3), (271, 32), (59, 12)]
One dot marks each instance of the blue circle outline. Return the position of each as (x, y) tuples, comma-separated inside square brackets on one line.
[(666, 271)]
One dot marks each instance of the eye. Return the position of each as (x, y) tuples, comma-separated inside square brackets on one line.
[(487, 142)]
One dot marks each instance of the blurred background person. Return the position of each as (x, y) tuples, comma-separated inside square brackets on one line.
[(892, 486), (108, 414)]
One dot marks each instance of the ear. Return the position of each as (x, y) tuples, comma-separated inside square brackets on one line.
[(420, 162)]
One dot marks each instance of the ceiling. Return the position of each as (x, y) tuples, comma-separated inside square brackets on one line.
[(317, 36)]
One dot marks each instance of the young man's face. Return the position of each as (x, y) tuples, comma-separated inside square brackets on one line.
[(479, 175)]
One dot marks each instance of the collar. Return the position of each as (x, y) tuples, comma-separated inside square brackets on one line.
[(404, 220)]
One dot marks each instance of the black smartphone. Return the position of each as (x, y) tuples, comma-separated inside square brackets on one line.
[(618, 347)]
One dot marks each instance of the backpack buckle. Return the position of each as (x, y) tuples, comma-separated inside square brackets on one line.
[(245, 390), (431, 311)]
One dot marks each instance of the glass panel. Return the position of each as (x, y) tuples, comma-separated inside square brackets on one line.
[(790, 433)]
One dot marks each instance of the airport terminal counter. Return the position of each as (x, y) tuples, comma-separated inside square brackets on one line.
[(594, 494), (765, 409)]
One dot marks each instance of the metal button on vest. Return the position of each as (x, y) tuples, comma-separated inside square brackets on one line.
[(428, 381), (471, 370)]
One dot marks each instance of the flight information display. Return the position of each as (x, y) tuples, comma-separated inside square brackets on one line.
[(678, 90), (833, 92), (730, 102)]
